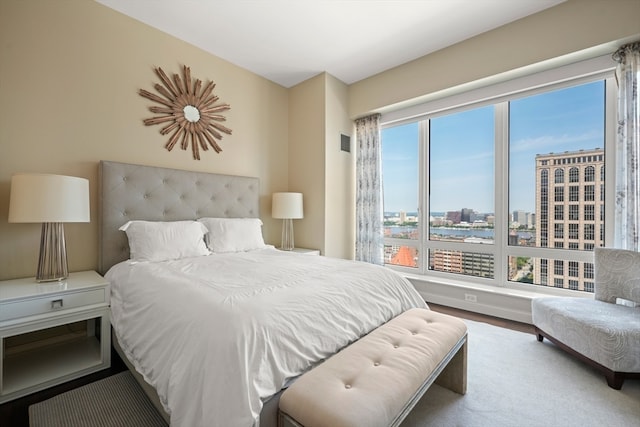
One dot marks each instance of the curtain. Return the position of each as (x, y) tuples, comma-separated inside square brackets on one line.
[(627, 183), (369, 215)]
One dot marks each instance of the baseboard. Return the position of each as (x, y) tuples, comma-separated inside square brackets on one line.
[(494, 302)]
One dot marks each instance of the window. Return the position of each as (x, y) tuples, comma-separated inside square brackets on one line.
[(558, 231), (589, 193), (589, 212), (544, 266), (558, 212), (589, 174), (442, 169), (574, 231), (558, 267), (574, 175), (574, 193), (574, 212), (401, 205), (589, 232), (459, 214), (573, 268), (588, 270)]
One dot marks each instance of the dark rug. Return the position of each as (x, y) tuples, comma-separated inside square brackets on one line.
[(116, 401)]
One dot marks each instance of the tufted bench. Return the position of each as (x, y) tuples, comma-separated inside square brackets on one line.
[(378, 379)]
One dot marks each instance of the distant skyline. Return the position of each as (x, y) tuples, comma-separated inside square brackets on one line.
[(462, 150)]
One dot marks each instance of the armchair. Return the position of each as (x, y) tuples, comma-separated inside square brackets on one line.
[(604, 332)]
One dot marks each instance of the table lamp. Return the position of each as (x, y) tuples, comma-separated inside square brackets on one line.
[(287, 206), (51, 200)]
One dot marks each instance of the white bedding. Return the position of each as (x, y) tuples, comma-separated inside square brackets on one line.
[(216, 335)]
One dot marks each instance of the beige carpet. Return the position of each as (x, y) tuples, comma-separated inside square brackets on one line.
[(513, 381), (116, 401)]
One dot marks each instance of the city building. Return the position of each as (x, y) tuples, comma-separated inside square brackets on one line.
[(519, 217), (569, 214), (465, 215), (454, 216)]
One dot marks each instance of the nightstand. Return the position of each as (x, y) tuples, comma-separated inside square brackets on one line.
[(52, 332)]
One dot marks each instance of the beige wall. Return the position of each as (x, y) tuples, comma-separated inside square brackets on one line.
[(70, 71), (317, 167), (339, 173), (597, 26), (307, 160)]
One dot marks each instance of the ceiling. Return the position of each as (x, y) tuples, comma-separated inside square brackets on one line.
[(289, 41)]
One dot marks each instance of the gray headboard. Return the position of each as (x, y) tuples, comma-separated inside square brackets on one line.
[(128, 192)]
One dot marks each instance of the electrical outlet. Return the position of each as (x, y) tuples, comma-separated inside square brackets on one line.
[(470, 298)]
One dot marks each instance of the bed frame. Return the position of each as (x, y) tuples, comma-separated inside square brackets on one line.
[(136, 192)]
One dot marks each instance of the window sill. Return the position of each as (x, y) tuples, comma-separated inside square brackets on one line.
[(505, 302), (512, 289)]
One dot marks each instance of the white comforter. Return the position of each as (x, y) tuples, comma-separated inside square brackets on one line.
[(216, 335)]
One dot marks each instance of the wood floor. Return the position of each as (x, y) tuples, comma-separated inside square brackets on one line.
[(496, 321), (16, 412)]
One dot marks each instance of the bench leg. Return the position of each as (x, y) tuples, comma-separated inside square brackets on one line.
[(454, 375)]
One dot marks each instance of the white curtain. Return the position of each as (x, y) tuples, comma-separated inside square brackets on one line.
[(627, 205), (369, 215)]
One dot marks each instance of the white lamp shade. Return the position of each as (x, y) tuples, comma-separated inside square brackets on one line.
[(48, 198), (286, 206)]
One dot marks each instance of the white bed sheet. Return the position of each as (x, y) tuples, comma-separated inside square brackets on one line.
[(216, 335)]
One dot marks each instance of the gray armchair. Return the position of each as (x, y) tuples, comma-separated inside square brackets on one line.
[(605, 331)]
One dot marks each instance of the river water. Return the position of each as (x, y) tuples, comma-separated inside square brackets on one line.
[(483, 233)]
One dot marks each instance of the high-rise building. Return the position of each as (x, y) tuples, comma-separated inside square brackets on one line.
[(465, 215), (569, 214), (520, 217)]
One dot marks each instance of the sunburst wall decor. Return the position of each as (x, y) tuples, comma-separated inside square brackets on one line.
[(191, 112)]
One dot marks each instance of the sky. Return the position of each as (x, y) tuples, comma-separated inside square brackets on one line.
[(462, 150)]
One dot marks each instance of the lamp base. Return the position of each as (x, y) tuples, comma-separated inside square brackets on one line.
[(52, 263), (287, 234)]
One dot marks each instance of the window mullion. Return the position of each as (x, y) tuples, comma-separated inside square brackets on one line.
[(423, 206), (611, 127), (501, 192)]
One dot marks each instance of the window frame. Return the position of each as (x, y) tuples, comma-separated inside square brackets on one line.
[(501, 250)]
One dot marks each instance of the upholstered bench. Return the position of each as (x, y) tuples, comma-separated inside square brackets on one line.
[(378, 379)]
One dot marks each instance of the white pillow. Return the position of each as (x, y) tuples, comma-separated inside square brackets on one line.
[(233, 234), (162, 241)]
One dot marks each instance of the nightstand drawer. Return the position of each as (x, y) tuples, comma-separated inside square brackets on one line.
[(50, 303)]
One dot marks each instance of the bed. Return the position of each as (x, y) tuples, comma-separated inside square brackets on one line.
[(214, 337)]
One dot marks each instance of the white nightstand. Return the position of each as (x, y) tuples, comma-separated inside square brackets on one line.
[(52, 332)]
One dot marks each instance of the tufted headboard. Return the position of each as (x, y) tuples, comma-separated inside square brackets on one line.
[(128, 192)]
